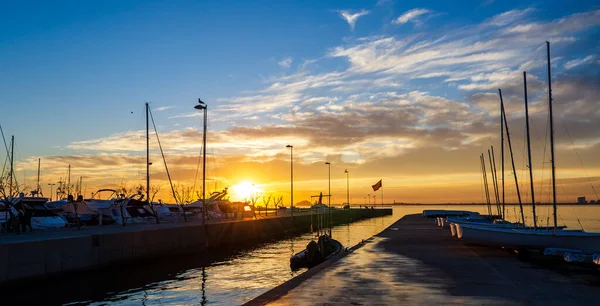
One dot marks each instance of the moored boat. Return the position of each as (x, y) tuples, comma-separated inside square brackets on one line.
[(316, 253), (41, 216), (530, 238)]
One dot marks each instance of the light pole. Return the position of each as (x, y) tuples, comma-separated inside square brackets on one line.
[(365, 202), (291, 178), (347, 188), (329, 196), (369, 197), (202, 106), (51, 185)]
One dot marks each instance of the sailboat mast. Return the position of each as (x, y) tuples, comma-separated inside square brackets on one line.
[(147, 157), (512, 159), (529, 150), (495, 174), (69, 181), (12, 164), (485, 183), (38, 179), (551, 136), (502, 148)]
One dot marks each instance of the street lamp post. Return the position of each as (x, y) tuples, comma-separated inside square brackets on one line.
[(347, 188), (51, 185), (202, 106), (329, 196), (291, 178), (369, 197)]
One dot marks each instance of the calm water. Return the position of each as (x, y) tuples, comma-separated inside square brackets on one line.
[(229, 278)]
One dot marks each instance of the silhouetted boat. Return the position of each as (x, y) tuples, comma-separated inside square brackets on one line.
[(316, 253)]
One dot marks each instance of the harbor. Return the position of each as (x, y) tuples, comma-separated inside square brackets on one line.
[(414, 262), (59, 251), (299, 153), (401, 257), (221, 276)]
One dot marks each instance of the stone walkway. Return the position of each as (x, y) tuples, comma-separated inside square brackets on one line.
[(413, 262)]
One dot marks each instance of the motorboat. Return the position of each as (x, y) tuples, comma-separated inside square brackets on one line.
[(74, 211), (316, 252), (108, 203), (42, 217)]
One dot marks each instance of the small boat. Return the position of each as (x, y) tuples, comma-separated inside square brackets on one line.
[(529, 238), (42, 217), (316, 253), (66, 209)]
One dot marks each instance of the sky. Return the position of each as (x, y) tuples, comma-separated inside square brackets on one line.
[(402, 91)]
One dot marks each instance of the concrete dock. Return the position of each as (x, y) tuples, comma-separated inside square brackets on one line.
[(414, 262), (42, 253)]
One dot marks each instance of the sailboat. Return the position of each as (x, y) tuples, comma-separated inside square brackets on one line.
[(535, 238)]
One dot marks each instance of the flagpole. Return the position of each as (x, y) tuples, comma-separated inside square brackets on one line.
[(381, 180)]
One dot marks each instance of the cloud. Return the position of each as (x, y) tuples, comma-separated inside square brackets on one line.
[(556, 28), (424, 105), (285, 63), (411, 15), (508, 17), (351, 18), (383, 2), (163, 108), (574, 63), (188, 115)]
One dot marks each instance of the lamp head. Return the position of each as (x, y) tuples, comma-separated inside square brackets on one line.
[(346, 171), (289, 146), (327, 163), (201, 104)]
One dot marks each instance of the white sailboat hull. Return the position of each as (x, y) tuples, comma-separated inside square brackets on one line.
[(529, 238), (453, 229)]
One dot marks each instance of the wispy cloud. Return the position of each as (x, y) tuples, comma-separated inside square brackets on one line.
[(411, 15), (352, 17), (574, 63), (188, 115), (285, 63), (509, 17), (163, 108)]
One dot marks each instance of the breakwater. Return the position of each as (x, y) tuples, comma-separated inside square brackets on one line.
[(31, 255)]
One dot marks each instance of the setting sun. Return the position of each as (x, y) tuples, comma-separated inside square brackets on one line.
[(244, 190)]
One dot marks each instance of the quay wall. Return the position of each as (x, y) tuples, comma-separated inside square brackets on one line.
[(24, 259)]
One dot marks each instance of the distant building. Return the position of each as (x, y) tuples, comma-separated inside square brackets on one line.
[(592, 202), (581, 200)]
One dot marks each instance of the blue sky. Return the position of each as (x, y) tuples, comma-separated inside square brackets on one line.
[(73, 71)]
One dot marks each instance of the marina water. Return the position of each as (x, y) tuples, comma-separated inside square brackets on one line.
[(232, 278)]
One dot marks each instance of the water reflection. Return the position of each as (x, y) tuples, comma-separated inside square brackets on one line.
[(204, 301)]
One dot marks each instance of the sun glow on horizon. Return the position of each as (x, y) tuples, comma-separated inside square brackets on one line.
[(244, 191)]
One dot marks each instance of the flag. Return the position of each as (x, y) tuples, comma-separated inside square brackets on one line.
[(377, 186)]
